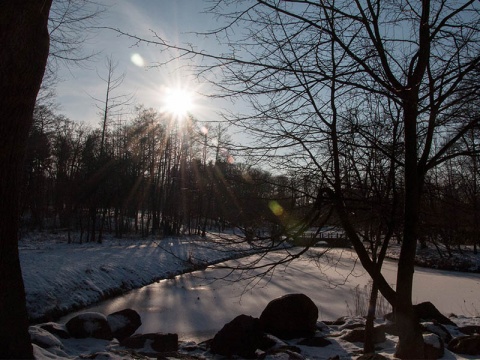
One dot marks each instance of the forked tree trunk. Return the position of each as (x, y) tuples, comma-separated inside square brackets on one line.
[(23, 56)]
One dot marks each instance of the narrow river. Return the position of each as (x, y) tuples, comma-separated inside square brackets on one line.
[(197, 305)]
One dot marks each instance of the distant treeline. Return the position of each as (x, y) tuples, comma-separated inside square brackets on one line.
[(153, 175), (150, 175)]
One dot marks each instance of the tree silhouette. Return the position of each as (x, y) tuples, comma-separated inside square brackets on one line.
[(24, 52)]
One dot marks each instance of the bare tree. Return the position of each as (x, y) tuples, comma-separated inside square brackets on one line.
[(25, 44), (113, 103), (305, 66), (71, 25)]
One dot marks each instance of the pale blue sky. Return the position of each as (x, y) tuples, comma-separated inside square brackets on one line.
[(172, 19)]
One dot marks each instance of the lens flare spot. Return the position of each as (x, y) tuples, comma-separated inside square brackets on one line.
[(276, 208), (137, 60)]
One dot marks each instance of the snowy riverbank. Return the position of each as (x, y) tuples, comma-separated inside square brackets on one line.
[(61, 277)]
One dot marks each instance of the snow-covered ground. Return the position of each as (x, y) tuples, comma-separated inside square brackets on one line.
[(60, 277)]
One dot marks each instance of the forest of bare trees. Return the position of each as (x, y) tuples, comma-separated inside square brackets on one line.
[(157, 176), (150, 175)]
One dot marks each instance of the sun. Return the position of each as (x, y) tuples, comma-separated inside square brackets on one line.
[(178, 101)]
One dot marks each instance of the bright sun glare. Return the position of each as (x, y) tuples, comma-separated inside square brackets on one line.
[(178, 101)]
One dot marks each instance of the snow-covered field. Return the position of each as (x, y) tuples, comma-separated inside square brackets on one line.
[(60, 277)]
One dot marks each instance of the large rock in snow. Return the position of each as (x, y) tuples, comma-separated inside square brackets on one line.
[(433, 346), (242, 336), (89, 324), (124, 323), (358, 335), (438, 329), (290, 316), (468, 345), (470, 329), (43, 338), (56, 329), (426, 311)]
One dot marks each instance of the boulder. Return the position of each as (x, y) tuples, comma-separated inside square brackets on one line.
[(352, 323), (159, 342), (124, 323), (89, 324), (56, 329), (389, 328), (242, 336), (43, 338), (438, 329), (358, 335), (434, 347), (290, 316), (468, 345), (470, 329), (426, 311)]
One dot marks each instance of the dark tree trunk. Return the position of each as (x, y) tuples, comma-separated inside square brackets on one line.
[(410, 345), (93, 218), (369, 345), (23, 56)]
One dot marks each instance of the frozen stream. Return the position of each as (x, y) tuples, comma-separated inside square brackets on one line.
[(197, 305)]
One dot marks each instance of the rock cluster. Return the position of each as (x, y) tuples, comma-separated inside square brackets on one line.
[(285, 325), (295, 316), (120, 325), (436, 333)]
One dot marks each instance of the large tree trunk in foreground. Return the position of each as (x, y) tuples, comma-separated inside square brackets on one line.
[(23, 56)]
